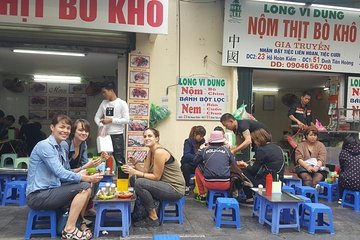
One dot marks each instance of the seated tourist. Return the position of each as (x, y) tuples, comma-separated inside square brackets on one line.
[(50, 186), (214, 161), (159, 179), (76, 151), (349, 160), (310, 157), (268, 158), (76, 147), (191, 146)]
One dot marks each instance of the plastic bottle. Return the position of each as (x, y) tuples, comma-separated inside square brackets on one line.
[(268, 186), (109, 164)]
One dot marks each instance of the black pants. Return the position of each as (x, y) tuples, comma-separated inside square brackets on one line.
[(118, 145), (187, 170), (255, 181)]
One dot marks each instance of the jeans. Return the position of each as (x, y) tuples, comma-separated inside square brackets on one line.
[(187, 169), (118, 145), (148, 190)]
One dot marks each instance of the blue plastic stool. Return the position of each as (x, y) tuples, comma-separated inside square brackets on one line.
[(166, 237), (316, 217), (288, 189), (227, 204), (107, 178), (18, 196), (292, 182), (167, 214), (212, 195), (307, 192), (33, 221), (123, 207), (331, 193), (351, 199)]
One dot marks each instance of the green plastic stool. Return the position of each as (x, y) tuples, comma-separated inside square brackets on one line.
[(21, 163)]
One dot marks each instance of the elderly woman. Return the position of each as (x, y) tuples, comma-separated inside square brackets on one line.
[(160, 178), (50, 186), (268, 159), (349, 160), (310, 157)]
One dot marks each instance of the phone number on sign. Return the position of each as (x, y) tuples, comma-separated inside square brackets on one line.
[(309, 66)]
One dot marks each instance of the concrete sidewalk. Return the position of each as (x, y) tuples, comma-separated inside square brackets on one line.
[(198, 224)]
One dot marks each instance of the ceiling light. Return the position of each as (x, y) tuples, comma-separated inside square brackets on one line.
[(57, 79), (74, 54), (258, 89)]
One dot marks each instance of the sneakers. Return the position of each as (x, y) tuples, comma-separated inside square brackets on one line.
[(340, 201), (147, 222), (187, 191), (201, 198)]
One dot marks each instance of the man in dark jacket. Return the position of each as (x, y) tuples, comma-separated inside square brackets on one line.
[(300, 113)]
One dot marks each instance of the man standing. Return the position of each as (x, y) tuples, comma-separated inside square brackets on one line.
[(112, 115), (300, 113), (241, 128)]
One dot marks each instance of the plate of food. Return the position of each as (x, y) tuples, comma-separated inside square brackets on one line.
[(103, 196), (124, 195)]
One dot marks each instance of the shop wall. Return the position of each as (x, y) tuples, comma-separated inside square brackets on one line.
[(17, 104), (277, 120), (200, 41), (11, 103)]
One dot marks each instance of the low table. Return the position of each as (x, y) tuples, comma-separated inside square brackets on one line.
[(277, 202), (9, 173), (292, 181), (115, 204)]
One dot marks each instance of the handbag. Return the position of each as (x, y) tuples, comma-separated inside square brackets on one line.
[(104, 144)]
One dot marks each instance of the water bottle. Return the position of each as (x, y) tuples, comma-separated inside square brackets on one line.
[(268, 186)]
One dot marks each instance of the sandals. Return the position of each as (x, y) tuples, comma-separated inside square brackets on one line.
[(84, 227), (76, 234)]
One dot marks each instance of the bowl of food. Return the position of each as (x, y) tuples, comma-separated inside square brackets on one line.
[(124, 195)]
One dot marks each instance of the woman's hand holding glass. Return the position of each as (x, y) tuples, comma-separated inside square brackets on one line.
[(128, 169)]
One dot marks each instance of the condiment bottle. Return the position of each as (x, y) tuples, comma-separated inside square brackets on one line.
[(268, 186)]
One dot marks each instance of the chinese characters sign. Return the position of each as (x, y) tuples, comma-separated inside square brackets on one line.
[(353, 99), (201, 98), (147, 16), (284, 36)]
